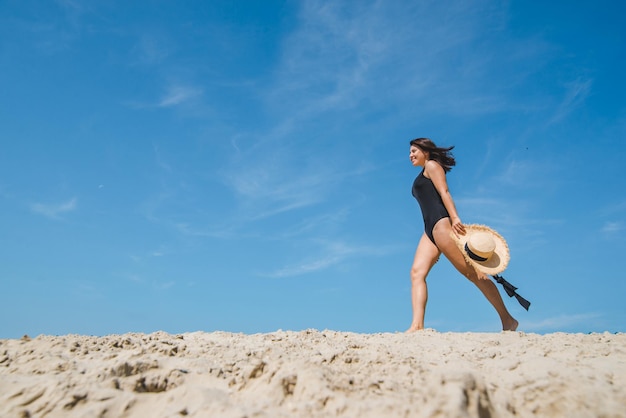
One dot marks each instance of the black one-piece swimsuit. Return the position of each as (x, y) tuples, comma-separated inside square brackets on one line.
[(430, 202)]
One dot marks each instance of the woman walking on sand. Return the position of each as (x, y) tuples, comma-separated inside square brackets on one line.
[(441, 225)]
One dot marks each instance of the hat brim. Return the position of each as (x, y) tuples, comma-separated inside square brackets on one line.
[(498, 261)]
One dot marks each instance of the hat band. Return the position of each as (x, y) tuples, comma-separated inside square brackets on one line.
[(474, 256)]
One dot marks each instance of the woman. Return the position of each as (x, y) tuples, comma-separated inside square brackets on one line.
[(440, 222)]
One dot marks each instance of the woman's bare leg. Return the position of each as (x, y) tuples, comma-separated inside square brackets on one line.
[(426, 256), (449, 248)]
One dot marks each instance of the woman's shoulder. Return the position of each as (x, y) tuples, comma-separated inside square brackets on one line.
[(432, 166)]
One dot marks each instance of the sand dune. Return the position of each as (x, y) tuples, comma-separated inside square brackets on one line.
[(315, 374)]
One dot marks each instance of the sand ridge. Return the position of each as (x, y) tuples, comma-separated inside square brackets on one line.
[(314, 373)]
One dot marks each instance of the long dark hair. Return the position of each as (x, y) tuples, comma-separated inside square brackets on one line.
[(442, 155)]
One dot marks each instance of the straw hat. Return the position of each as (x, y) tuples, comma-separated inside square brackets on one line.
[(483, 248)]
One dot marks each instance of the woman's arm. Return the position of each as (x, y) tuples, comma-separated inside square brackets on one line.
[(435, 172)]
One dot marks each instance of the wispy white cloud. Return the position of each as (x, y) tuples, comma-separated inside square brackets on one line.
[(174, 96), (179, 94), (576, 92), (329, 220), (165, 285), (4, 192), (236, 225), (55, 210), (156, 284), (72, 5), (57, 33), (524, 173), (308, 266), (339, 57), (268, 184), (332, 254), (86, 290), (327, 61), (613, 227), (160, 159), (329, 55), (160, 252), (618, 207), (152, 49), (563, 322), (223, 231)]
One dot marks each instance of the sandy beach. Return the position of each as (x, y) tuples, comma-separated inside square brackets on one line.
[(314, 374)]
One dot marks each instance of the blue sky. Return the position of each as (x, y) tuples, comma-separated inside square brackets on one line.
[(243, 166)]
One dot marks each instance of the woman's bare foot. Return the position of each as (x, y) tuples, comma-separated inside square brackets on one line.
[(413, 329), (511, 325)]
